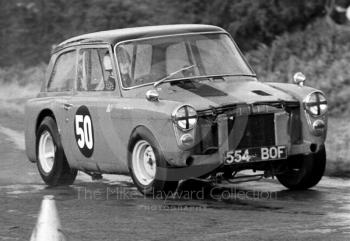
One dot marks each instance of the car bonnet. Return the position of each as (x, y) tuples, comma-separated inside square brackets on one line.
[(204, 94)]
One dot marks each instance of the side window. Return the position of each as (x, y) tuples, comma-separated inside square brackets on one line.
[(95, 72), (63, 74)]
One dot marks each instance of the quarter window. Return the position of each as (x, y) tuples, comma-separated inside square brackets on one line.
[(63, 74)]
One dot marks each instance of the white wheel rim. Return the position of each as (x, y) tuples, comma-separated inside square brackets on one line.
[(47, 151), (144, 162)]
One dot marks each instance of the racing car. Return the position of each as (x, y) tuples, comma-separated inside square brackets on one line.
[(169, 103)]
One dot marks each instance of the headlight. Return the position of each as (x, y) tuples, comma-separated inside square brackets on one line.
[(185, 117), (316, 104)]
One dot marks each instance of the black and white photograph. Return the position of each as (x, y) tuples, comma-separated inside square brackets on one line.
[(154, 120)]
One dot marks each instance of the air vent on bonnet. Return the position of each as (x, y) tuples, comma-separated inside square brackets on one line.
[(260, 92)]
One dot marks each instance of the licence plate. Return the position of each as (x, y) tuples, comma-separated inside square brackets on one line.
[(256, 154)]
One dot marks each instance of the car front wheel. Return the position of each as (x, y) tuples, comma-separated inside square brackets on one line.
[(304, 172), (145, 163), (52, 164)]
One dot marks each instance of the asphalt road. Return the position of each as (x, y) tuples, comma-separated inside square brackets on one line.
[(112, 209)]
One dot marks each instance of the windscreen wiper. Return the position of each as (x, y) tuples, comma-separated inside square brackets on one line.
[(172, 74)]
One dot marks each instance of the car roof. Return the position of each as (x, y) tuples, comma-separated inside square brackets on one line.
[(114, 36)]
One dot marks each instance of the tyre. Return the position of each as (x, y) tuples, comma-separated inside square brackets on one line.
[(146, 161), (304, 172), (51, 160)]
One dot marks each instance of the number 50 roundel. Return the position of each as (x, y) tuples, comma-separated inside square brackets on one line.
[(84, 131)]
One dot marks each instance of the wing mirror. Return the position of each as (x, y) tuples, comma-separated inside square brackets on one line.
[(299, 79), (152, 95)]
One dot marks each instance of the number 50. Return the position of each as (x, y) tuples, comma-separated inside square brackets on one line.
[(84, 132)]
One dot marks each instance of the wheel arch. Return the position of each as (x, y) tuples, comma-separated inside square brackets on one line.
[(139, 129), (44, 113), (160, 181), (33, 119)]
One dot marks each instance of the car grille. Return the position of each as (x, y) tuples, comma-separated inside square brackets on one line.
[(247, 126), (242, 132), (251, 131), (295, 127)]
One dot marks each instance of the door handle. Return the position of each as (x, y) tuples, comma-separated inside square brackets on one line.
[(67, 106)]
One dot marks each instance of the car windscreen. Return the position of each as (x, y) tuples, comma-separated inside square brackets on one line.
[(146, 61)]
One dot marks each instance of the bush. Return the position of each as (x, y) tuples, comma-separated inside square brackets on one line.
[(22, 76), (19, 82), (37, 25), (322, 53)]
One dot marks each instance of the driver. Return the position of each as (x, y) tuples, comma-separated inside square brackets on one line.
[(124, 66), (109, 81)]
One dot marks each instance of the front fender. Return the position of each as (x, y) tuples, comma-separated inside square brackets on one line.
[(294, 90), (307, 120), (130, 113)]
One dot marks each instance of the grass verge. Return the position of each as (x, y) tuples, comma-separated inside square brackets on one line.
[(338, 147)]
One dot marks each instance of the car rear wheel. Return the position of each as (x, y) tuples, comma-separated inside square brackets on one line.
[(145, 164), (52, 164), (305, 171)]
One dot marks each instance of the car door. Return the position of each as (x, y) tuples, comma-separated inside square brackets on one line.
[(91, 135)]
